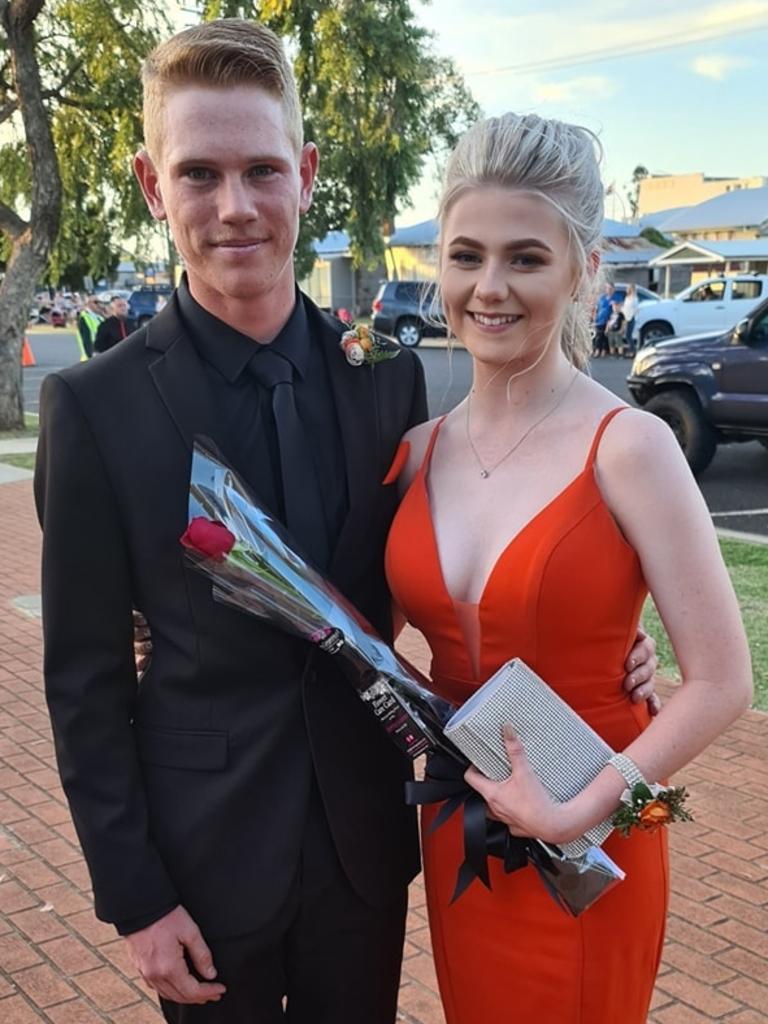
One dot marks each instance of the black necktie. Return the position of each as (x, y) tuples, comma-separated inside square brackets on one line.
[(301, 492)]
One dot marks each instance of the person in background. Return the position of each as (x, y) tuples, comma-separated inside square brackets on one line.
[(629, 309), (614, 329), (115, 328), (602, 316), (88, 322)]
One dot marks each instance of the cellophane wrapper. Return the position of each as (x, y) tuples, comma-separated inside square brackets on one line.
[(265, 576)]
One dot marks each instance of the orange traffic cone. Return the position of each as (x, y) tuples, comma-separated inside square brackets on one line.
[(27, 356)]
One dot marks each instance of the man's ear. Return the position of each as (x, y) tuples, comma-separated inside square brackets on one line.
[(308, 161), (149, 182)]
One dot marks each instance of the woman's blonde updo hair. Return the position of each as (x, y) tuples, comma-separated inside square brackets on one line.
[(560, 163)]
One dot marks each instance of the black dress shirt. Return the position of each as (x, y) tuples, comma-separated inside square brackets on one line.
[(248, 435)]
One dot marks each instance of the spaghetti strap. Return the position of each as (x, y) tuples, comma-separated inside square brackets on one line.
[(599, 433), (430, 446)]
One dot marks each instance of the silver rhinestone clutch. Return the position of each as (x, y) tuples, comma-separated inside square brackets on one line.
[(565, 753)]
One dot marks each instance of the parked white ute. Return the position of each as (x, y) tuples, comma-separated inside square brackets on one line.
[(712, 305)]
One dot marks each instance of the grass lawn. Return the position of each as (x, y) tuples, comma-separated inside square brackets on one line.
[(31, 428), (748, 566), (23, 461)]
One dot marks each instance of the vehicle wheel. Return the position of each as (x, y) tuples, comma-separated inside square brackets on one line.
[(408, 333), (682, 413), (144, 319), (655, 331)]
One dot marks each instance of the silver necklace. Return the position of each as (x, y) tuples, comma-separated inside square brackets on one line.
[(485, 471)]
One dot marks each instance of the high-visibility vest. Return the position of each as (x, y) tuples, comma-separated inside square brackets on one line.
[(91, 321)]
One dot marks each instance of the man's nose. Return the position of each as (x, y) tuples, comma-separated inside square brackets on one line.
[(236, 201)]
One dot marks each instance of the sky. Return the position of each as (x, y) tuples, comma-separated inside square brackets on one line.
[(676, 85)]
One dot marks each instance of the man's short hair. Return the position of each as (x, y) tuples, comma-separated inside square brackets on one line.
[(219, 54)]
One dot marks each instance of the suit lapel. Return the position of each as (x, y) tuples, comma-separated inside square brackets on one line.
[(356, 401), (179, 377)]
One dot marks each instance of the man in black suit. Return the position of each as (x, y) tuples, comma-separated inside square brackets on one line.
[(241, 812)]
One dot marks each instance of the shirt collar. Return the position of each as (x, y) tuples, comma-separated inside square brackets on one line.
[(228, 350)]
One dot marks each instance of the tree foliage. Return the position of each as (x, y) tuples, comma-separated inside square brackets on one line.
[(89, 54), (377, 100), (70, 112), (655, 237), (639, 174)]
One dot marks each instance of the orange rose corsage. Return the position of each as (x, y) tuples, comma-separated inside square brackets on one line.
[(364, 348), (649, 807)]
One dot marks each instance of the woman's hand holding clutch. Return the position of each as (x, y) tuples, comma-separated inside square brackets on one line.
[(521, 802)]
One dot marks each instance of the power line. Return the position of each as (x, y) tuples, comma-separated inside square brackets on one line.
[(653, 45)]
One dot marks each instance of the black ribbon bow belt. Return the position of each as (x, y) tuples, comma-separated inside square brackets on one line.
[(483, 837)]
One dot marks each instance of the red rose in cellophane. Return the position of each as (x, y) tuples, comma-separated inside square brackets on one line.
[(209, 538)]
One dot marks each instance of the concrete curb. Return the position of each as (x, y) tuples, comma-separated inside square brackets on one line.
[(749, 538), (18, 446), (12, 474)]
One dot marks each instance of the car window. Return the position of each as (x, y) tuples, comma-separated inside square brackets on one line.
[(759, 333), (746, 290), (415, 292), (713, 291), (407, 292)]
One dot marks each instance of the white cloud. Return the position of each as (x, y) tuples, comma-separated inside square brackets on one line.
[(575, 91), (738, 10), (717, 66), (490, 49)]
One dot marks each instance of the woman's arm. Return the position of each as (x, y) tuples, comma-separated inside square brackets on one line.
[(657, 505)]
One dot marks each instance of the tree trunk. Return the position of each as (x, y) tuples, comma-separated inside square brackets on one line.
[(16, 295), (31, 242)]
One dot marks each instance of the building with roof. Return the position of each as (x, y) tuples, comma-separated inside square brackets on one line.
[(334, 283), (411, 253), (706, 259), (665, 191), (725, 234), (734, 216)]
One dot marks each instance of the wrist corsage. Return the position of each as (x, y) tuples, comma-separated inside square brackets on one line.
[(363, 348), (648, 807)]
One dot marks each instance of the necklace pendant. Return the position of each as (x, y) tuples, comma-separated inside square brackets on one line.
[(484, 474)]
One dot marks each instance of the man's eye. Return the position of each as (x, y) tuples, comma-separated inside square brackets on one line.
[(262, 171), (198, 174)]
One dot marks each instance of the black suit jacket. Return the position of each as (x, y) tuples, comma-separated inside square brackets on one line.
[(193, 786)]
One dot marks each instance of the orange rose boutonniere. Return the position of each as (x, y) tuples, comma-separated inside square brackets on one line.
[(364, 348), (649, 807)]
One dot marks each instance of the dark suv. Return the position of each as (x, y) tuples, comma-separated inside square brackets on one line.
[(710, 388), (142, 304), (403, 310)]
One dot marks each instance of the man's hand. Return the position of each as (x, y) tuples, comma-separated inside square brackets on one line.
[(158, 952), (641, 667)]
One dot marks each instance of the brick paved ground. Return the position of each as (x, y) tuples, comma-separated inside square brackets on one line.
[(59, 964)]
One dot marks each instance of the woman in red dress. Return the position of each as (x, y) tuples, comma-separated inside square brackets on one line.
[(536, 517)]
